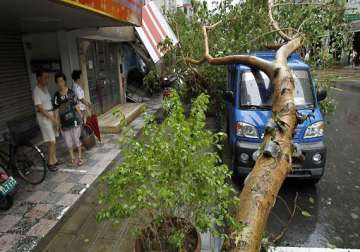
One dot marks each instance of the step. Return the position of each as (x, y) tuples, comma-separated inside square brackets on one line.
[(111, 124)]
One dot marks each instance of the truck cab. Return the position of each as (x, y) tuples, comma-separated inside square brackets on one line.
[(248, 108)]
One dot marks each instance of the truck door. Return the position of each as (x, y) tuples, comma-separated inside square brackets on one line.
[(231, 106)]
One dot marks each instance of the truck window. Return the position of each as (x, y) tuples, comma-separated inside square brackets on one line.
[(256, 89)]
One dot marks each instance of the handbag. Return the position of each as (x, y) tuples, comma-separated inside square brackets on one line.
[(87, 137)]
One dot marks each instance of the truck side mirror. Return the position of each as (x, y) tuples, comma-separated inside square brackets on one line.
[(229, 96), (321, 94)]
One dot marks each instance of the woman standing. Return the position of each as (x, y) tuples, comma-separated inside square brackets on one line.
[(79, 92), (66, 106)]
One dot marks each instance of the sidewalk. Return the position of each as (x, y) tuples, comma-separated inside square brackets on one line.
[(39, 210), (347, 74)]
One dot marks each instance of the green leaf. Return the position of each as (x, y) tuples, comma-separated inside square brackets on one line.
[(331, 246), (305, 213), (311, 200)]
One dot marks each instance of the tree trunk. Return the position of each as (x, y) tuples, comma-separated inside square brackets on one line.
[(265, 180)]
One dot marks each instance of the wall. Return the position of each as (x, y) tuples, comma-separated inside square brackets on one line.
[(41, 47)]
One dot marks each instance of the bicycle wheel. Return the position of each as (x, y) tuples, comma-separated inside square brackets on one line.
[(6, 202), (30, 164)]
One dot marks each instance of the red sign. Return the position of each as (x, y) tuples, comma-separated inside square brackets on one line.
[(122, 10)]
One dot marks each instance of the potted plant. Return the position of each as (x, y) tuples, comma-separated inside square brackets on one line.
[(171, 181)]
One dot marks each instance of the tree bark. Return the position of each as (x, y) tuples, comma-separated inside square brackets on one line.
[(265, 180)]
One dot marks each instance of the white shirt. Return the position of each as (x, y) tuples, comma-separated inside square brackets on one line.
[(79, 92), (42, 97)]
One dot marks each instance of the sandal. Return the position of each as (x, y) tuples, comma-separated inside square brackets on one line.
[(59, 162), (72, 162), (80, 162), (52, 167)]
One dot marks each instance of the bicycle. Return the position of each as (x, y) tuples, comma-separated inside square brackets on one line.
[(23, 157)]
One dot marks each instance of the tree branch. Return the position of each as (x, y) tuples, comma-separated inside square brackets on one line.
[(279, 237), (275, 24), (284, 51), (270, 32), (248, 60), (303, 3)]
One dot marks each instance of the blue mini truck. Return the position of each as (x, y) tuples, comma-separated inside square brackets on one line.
[(248, 108)]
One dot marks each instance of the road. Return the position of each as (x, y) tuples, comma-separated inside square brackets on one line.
[(334, 203)]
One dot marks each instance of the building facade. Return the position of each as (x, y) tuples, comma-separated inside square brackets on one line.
[(64, 35)]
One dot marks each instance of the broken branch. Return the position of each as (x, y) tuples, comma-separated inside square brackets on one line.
[(279, 237), (275, 24), (249, 60)]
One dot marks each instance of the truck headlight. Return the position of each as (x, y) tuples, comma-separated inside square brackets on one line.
[(315, 130), (246, 130)]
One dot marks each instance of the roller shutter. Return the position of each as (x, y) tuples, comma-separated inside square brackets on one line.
[(15, 88)]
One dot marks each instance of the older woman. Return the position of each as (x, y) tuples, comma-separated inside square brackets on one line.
[(66, 106)]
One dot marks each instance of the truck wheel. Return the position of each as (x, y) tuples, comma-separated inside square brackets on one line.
[(236, 177), (6, 202)]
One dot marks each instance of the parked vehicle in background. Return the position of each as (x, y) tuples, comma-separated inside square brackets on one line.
[(169, 82), (248, 110), (7, 187)]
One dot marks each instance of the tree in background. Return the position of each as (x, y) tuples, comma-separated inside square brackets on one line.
[(246, 27)]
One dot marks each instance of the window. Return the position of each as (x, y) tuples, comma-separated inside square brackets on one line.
[(256, 89)]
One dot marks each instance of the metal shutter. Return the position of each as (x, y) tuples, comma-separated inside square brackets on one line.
[(15, 88)]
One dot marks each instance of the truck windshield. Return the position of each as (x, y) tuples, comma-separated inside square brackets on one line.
[(256, 91)]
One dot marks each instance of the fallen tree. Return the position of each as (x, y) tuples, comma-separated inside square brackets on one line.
[(265, 180)]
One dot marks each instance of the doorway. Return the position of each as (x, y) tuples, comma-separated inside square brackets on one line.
[(102, 74)]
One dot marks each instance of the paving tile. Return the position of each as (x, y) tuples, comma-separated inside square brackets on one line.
[(78, 188), (61, 243), (64, 187), (56, 212), (23, 226), (67, 199), (53, 197), (41, 228), (74, 177), (48, 186), (60, 177), (8, 222), (90, 163), (22, 196), (104, 150), (37, 197), (25, 244), (38, 211), (88, 178), (7, 241), (21, 207)]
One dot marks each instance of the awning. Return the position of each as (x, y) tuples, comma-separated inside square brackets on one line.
[(154, 30), (121, 10), (35, 16)]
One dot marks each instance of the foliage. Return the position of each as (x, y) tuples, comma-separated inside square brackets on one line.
[(327, 106), (152, 82), (171, 170), (245, 27)]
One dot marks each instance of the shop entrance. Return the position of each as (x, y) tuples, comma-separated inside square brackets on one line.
[(102, 74)]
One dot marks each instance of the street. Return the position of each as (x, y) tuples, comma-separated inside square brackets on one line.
[(334, 203)]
